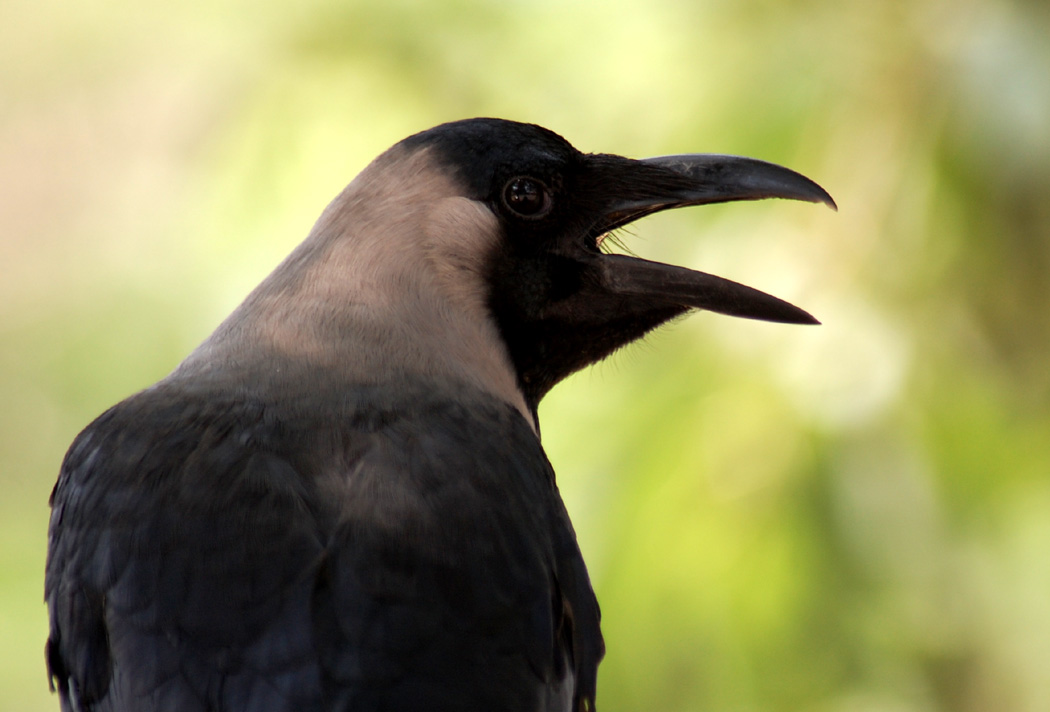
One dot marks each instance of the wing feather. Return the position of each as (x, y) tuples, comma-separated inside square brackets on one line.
[(215, 553)]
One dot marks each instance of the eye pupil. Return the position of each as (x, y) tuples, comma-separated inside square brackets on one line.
[(526, 196)]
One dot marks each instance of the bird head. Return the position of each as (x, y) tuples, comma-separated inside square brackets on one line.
[(471, 254), (559, 301)]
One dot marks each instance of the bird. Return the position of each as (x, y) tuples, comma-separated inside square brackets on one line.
[(340, 500)]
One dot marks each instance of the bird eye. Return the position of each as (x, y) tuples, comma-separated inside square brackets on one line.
[(527, 197)]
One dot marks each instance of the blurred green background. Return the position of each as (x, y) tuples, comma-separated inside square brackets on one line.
[(848, 518)]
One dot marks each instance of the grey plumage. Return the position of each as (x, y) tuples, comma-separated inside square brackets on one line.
[(340, 501)]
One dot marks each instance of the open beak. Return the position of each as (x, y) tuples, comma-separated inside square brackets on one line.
[(655, 184)]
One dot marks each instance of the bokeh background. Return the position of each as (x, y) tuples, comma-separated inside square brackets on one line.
[(848, 518)]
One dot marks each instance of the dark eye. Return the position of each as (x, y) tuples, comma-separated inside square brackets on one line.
[(527, 197)]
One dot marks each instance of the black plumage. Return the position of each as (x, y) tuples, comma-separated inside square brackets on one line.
[(340, 501)]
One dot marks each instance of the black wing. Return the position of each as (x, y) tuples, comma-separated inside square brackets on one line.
[(220, 554)]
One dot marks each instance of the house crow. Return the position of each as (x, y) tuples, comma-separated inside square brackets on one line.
[(339, 501)]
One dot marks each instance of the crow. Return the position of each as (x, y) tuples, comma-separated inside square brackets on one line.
[(339, 500)]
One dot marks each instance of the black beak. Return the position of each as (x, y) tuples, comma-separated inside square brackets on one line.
[(644, 187), (592, 303)]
